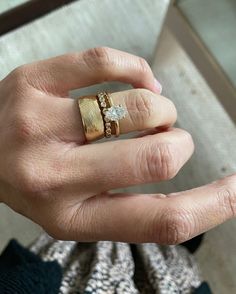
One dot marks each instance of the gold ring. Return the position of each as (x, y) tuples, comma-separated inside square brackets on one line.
[(100, 117), (91, 118), (115, 122), (111, 114)]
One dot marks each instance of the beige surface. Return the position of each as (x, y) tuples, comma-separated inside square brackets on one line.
[(9, 4), (127, 25), (215, 22), (202, 57), (214, 135)]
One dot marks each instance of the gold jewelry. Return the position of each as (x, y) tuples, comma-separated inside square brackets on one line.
[(91, 118), (111, 114), (100, 117), (115, 122), (104, 104)]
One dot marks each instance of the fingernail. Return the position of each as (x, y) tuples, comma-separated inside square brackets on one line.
[(158, 86)]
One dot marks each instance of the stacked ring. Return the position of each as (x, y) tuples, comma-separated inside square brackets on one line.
[(115, 122), (91, 118), (100, 117), (105, 103)]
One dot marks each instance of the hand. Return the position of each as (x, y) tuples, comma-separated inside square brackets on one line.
[(50, 175)]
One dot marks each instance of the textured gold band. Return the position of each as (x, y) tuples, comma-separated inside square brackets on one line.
[(100, 116), (91, 118)]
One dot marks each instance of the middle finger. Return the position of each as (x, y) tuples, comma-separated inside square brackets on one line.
[(124, 163)]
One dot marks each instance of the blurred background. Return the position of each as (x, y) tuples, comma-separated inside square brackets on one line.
[(191, 46)]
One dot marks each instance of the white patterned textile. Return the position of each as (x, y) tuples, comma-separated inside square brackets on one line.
[(108, 267)]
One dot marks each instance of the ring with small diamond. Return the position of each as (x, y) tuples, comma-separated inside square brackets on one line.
[(111, 114)]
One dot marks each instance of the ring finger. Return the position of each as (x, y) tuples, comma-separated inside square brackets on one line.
[(145, 110)]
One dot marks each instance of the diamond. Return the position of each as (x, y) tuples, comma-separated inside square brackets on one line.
[(101, 95), (115, 113), (108, 131)]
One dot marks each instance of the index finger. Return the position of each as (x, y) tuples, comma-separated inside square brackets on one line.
[(63, 73)]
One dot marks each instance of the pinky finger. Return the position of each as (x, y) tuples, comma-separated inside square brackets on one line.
[(163, 219)]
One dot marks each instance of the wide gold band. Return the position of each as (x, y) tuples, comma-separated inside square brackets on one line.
[(91, 117)]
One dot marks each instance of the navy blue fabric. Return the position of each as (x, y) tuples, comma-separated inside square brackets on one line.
[(193, 244), (22, 272), (204, 288)]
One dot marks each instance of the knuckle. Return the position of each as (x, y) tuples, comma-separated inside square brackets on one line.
[(157, 162), (166, 155), (26, 179), (226, 196), (32, 178), (99, 57), (24, 127), (19, 76), (174, 227), (19, 89), (100, 52), (35, 177), (141, 108)]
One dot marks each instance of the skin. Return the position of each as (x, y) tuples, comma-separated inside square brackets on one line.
[(49, 174)]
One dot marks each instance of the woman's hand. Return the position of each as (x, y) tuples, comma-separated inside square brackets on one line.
[(50, 175)]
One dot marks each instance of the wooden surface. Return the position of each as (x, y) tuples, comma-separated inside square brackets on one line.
[(127, 25)]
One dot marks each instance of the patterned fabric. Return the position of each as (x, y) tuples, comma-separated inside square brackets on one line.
[(121, 268)]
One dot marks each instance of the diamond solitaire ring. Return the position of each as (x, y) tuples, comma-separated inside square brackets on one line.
[(111, 114), (115, 113)]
